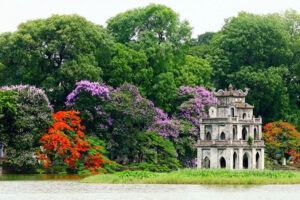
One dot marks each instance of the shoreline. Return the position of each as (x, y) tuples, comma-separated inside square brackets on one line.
[(199, 177)]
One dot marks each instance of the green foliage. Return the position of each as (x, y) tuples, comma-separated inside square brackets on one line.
[(54, 53), (158, 153), (156, 21), (8, 109), (196, 71), (205, 38), (292, 22), (109, 166), (185, 148), (196, 176), (20, 131), (156, 32), (250, 140), (163, 91), (260, 52), (201, 47), (249, 40), (127, 65), (232, 174), (150, 167), (153, 153), (136, 174), (265, 86)]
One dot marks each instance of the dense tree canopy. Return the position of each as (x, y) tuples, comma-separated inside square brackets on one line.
[(259, 52), (249, 40), (54, 53), (157, 31)]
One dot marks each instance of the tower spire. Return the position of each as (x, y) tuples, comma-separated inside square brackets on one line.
[(230, 87)]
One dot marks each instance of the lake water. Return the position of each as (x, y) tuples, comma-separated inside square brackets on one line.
[(59, 189)]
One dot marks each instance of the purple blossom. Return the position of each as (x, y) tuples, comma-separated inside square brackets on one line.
[(33, 94), (101, 126), (92, 87), (109, 121), (195, 107), (116, 111)]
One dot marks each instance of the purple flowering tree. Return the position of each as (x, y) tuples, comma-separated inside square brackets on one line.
[(183, 127), (120, 117), (33, 116), (195, 103)]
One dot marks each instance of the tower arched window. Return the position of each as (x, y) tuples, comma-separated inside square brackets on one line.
[(232, 112), (244, 133), (244, 116), (234, 133), (206, 163), (222, 136), (222, 162), (208, 136), (255, 134)]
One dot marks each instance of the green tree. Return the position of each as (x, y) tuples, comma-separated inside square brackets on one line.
[(261, 52), (164, 91), (8, 109), (128, 65), (292, 22), (249, 40), (54, 53), (156, 153), (196, 71), (25, 115), (201, 46), (157, 31), (268, 91)]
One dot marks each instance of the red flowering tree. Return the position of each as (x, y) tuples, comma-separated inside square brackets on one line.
[(66, 146), (282, 140)]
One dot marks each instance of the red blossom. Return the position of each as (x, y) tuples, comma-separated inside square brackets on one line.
[(65, 141), (282, 137)]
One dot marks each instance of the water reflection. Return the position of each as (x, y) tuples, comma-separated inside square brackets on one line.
[(65, 190), (38, 177)]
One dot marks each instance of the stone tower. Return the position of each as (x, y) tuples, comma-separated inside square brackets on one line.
[(224, 134)]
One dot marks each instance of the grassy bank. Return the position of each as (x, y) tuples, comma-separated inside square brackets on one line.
[(194, 176)]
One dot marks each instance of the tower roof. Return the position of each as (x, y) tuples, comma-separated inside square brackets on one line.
[(231, 92)]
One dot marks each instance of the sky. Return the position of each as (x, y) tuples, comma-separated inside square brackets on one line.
[(203, 15)]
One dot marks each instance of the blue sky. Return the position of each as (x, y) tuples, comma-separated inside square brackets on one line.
[(203, 15)]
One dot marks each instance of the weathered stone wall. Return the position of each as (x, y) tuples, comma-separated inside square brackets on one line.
[(254, 157)]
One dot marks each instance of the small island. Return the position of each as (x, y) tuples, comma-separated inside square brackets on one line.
[(134, 102)]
